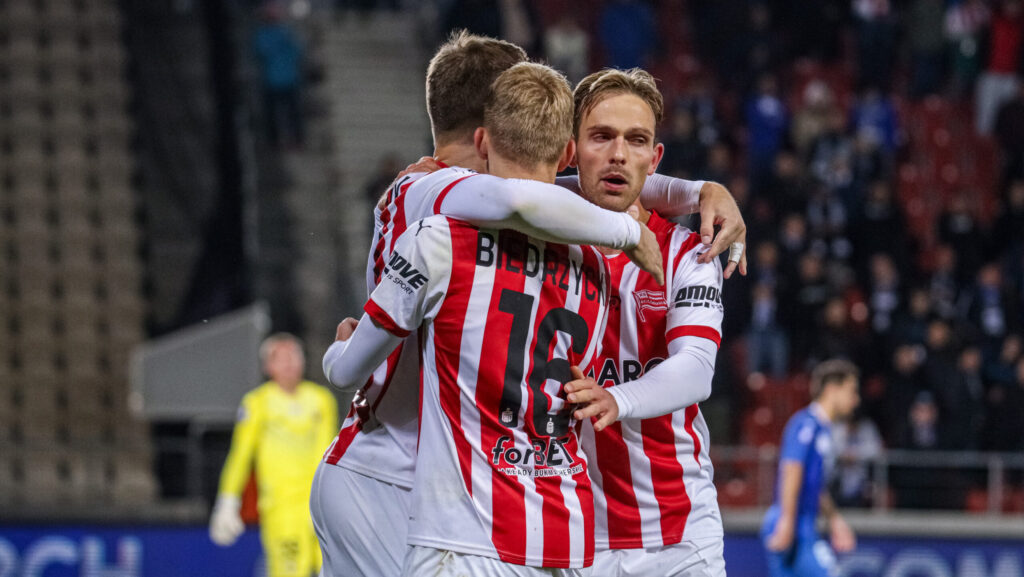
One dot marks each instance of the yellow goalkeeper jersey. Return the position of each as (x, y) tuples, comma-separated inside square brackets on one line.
[(286, 435)]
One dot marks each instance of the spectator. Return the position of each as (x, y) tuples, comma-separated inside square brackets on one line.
[(922, 429), (858, 444), (627, 33), (925, 35), (884, 296), (520, 25), (1001, 370), (959, 228), (767, 343), (567, 46), (1009, 133), (804, 302), (826, 220), (965, 23), (279, 55), (902, 387), (812, 119), (875, 27), (835, 337), (1005, 428), (943, 285), (793, 242), (767, 123), (911, 326), (787, 189), (962, 401), (998, 83), (988, 307), (874, 117), (760, 44), (1006, 235), (719, 165), (685, 153), (926, 487), (830, 157), (878, 227)]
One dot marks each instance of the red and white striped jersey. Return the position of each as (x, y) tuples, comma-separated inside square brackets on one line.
[(500, 471), (653, 477), (378, 436)]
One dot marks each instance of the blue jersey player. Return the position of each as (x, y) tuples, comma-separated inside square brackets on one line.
[(788, 533)]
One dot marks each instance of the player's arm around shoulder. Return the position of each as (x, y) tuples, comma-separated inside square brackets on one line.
[(412, 287)]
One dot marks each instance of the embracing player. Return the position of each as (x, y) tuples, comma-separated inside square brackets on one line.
[(657, 508), (501, 484), (360, 496)]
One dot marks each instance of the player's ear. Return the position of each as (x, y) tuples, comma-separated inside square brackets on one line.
[(568, 156), (481, 142), (659, 151)]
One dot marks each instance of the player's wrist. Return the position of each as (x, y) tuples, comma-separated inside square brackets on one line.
[(634, 232), (622, 403), (228, 502)]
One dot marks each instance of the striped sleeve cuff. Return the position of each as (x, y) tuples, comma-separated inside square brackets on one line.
[(382, 318), (694, 331)]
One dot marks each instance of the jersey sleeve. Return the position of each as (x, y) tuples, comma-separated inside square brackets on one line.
[(669, 196), (695, 302), (415, 279), (537, 209), (797, 440), (238, 465)]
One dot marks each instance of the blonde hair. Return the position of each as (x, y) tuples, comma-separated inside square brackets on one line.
[(610, 82), (270, 342), (529, 113), (459, 79)]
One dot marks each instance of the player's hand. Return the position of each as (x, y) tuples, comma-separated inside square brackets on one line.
[(647, 254), (424, 164), (718, 207), (841, 535), (600, 404), (345, 329), (226, 524), (782, 538)]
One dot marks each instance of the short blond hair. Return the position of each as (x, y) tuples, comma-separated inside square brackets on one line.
[(459, 79), (268, 344), (611, 82), (529, 114)]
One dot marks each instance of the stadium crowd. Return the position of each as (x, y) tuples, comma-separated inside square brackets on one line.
[(809, 130)]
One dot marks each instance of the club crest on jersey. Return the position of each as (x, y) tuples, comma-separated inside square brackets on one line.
[(402, 273), (649, 300), (506, 416), (699, 296)]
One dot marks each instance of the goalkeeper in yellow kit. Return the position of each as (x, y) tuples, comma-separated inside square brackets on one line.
[(283, 426)]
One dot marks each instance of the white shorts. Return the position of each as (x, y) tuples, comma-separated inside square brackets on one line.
[(361, 523), (698, 558), (429, 562)]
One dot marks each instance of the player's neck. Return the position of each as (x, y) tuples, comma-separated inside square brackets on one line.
[(498, 165), (460, 154), (824, 409), (288, 387)]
